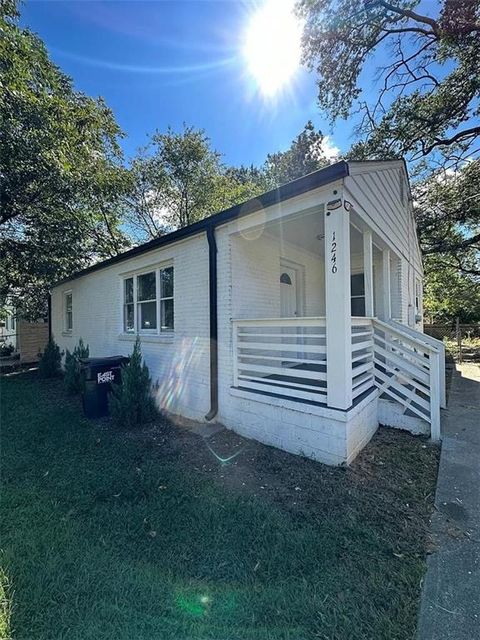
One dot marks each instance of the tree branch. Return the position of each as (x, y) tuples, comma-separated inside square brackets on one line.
[(443, 142), (455, 246), (408, 13)]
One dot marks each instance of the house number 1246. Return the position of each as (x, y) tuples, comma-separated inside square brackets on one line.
[(333, 254)]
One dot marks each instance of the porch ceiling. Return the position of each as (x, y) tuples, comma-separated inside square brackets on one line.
[(307, 230)]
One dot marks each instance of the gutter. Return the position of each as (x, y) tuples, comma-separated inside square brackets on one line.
[(280, 194), (213, 306)]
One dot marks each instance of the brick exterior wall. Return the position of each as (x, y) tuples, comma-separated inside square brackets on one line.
[(180, 363)]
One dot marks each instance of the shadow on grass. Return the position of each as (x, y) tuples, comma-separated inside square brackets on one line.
[(107, 536)]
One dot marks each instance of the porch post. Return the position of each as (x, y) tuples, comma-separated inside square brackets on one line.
[(338, 308), (368, 272), (386, 285)]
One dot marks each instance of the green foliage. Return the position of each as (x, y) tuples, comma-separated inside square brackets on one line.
[(231, 187), (304, 155), (50, 361), (448, 219), (6, 349), (72, 377), (172, 180), (131, 402), (423, 107), (449, 293), (447, 209), (427, 97), (179, 179), (60, 172)]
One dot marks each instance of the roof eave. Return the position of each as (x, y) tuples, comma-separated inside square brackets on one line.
[(311, 181)]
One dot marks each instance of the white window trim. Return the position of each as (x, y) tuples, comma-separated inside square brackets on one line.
[(66, 330), (154, 334)]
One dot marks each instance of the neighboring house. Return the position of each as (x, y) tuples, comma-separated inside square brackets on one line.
[(8, 326), (294, 318), (27, 338)]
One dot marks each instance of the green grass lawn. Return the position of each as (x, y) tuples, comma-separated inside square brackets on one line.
[(108, 535)]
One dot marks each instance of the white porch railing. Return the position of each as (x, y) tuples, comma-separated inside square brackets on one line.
[(284, 356), (407, 370), (437, 345), (287, 357), (362, 356)]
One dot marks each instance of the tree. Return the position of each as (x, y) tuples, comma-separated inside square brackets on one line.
[(72, 378), (179, 179), (448, 217), (50, 364), (448, 293), (144, 211), (60, 171), (427, 101), (132, 401), (425, 108), (304, 155), (172, 179), (235, 185)]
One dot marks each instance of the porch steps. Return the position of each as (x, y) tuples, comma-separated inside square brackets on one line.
[(409, 375)]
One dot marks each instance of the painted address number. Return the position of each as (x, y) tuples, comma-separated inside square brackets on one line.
[(333, 254)]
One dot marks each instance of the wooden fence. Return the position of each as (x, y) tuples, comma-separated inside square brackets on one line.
[(462, 340), (32, 338)]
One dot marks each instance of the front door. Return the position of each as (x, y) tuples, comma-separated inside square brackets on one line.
[(288, 292)]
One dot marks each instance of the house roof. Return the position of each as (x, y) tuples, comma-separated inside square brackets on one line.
[(311, 181), (286, 191)]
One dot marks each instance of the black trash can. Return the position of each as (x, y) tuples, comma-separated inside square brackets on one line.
[(98, 374)]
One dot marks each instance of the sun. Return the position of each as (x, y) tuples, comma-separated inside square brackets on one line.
[(272, 45)]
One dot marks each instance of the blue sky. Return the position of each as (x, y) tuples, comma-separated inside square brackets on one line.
[(163, 63)]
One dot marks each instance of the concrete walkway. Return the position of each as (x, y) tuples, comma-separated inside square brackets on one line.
[(450, 606)]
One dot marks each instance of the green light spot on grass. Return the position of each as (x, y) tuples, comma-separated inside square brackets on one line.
[(195, 605)]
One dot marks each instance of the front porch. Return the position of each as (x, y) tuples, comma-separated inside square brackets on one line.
[(315, 300), (304, 288)]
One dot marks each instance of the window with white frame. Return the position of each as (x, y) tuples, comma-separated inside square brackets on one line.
[(68, 311), (148, 302)]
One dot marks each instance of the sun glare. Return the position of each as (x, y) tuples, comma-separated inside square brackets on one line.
[(272, 45)]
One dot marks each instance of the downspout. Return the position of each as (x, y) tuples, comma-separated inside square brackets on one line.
[(49, 317), (212, 290)]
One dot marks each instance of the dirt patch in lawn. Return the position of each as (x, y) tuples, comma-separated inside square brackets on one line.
[(393, 478)]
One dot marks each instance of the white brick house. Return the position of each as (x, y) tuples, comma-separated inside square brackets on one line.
[(294, 318)]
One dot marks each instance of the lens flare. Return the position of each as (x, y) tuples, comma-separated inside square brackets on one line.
[(272, 45)]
